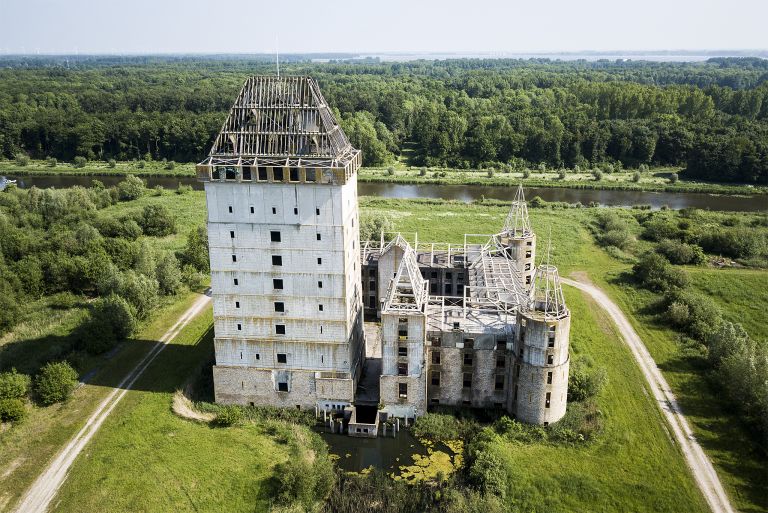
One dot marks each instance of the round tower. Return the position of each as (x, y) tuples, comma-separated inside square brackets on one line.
[(541, 352), (518, 238)]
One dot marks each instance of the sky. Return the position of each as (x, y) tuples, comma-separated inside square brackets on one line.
[(303, 26)]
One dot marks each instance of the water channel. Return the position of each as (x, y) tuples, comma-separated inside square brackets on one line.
[(467, 193)]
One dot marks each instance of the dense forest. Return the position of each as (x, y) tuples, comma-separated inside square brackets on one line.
[(710, 117)]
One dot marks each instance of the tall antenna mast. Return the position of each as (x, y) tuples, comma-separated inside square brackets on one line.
[(277, 54)]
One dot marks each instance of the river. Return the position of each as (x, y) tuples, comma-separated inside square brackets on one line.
[(467, 193)]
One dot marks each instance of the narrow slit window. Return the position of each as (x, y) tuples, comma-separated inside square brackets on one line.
[(319, 284), (230, 209), (234, 258), (235, 281), (320, 307), (231, 234)]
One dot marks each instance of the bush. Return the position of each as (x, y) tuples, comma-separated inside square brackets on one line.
[(737, 242), (195, 253), (487, 473), (231, 415), (112, 318), (131, 188), (527, 173), (307, 477), (423, 171), (654, 272), (390, 171), (597, 174), (183, 189), (80, 162), (561, 174), (673, 178), (191, 277), (371, 227), (170, 165), (111, 163), (21, 159), (169, 274), (140, 164), (694, 313), (157, 221), (55, 382), (12, 410), (437, 426), (680, 252), (584, 382), (636, 176), (14, 385), (51, 162)]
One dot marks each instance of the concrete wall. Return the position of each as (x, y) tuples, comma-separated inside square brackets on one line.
[(319, 305)]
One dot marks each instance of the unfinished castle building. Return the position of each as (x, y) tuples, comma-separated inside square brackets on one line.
[(475, 324)]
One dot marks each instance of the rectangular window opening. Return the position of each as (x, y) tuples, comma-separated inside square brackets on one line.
[(279, 329), (274, 236), (402, 390), (277, 284), (282, 358), (279, 306)]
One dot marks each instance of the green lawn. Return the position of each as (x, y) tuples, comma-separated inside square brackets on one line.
[(633, 465), (742, 294), (145, 458), (25, 448)]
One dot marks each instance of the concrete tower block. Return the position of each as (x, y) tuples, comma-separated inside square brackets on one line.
[(283, 229)]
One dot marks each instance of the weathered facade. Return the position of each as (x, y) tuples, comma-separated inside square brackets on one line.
[(473, 324), (283, 226)]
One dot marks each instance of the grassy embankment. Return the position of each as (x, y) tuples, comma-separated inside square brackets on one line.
[(657, 179)]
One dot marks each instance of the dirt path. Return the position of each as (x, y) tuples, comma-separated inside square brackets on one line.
[(39, 496), (702, 469)]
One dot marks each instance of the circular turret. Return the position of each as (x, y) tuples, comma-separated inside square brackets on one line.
[(542, 352)]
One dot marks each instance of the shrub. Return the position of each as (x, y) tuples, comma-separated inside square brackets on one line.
[(169, 274), (148, 157), (702, 317), (21, 159), (14, 385), (673, 178), (371, 227), (158, 190), (636, 176), (423, 171), (654, 272), (489, 173), (527, 173), (111, 163), (307, 477), (191, 277), (183, 189), (131, 188), (561, 174), (170, 165), (487, 473), (12, 410), (140, 291), (390, 171), (115, 312), (80, 162), (437, 426), (140, 164), (195, 253), (55, 382), (597, 174), (231, 415), (584, 382), (157, 221), (51, 162), (737, 242), (680, 252)]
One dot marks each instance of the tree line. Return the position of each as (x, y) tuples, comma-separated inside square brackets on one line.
[(710, 117)]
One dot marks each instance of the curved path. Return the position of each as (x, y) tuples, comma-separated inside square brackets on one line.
[(39, 496), (702, 469)]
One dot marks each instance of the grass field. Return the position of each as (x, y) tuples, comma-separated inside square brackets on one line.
[(25, 448), (742, 294), (145, 458), (633, 466)]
